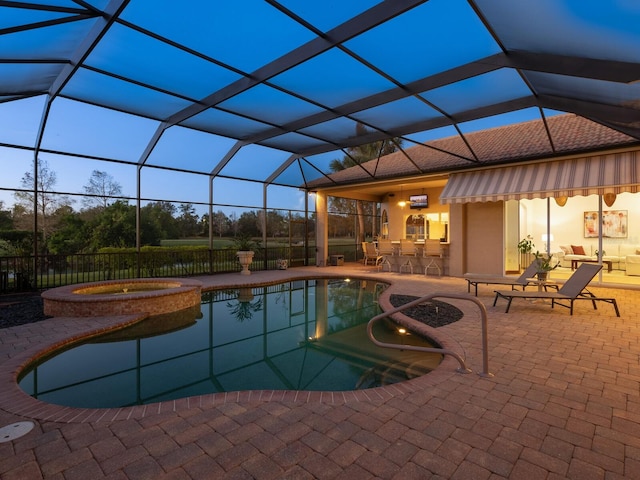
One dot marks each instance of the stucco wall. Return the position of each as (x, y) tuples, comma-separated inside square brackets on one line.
[(475, 231), (483, 238), (398, 215)]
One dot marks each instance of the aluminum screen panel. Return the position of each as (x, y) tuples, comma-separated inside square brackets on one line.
[(188, 86)]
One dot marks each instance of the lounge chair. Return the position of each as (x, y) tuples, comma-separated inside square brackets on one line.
[(573, 289), (513, 281)]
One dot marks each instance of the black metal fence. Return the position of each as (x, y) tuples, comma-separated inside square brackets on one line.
[(47, 271)]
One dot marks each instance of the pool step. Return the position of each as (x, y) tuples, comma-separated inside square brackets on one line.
[(390, 373)]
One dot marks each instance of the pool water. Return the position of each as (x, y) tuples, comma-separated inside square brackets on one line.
[(298, 335)]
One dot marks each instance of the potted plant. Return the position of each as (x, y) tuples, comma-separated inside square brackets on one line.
[(244, 250), (545, 264), (282, 263), (525, 247)]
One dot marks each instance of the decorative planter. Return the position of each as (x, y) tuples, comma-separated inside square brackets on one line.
[(542, 276), (282, 264), (245, 257), (525, 260)]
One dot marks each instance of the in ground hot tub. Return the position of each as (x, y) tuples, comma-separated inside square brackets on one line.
[(152, 296)]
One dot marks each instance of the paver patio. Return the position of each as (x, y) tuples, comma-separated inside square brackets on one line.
[(564, 402)]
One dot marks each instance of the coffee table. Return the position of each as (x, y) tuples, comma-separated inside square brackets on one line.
[(608, 263)]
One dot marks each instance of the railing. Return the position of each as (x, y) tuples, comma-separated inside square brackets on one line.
[(463, 367), (23, 273), (47, 271)]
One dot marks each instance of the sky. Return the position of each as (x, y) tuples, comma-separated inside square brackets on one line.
[(81, 130), (85, 131)]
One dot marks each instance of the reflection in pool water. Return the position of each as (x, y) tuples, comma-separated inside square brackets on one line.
[(299, 335)]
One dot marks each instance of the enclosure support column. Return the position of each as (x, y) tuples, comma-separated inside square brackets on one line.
[(211, 177), (138, 221), (600, 254), (548, 243), (35, 226), (264, 225), (36, 166), (306, 229), (322, 230)]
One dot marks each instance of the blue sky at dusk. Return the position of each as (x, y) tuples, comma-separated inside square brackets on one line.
[(206, 53), (19, 123)]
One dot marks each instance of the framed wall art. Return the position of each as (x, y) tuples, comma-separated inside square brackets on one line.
[(613, 224)]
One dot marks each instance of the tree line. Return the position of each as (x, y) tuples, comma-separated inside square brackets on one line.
[(107, 220), (104, 220)]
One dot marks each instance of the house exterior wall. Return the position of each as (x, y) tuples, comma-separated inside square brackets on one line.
[(475, 231), (483, 238), (456, 253), (398, 215)]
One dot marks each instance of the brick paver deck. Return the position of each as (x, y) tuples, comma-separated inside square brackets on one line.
[(564, 402)]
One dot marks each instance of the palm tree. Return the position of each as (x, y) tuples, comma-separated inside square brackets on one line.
[(358, 155)]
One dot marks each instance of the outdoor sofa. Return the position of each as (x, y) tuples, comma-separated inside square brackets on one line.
[(617, 254)]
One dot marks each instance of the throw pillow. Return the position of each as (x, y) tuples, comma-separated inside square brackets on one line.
[(566, 249), (578, 249)]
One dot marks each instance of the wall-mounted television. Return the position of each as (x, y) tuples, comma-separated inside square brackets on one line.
[(418, 201)]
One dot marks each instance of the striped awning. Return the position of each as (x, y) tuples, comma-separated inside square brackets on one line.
[(612, 173)]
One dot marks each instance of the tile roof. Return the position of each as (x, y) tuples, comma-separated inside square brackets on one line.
[(568, 134)]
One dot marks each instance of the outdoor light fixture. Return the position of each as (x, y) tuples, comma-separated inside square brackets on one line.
[(609, 198), (402, 203), (561, 201)]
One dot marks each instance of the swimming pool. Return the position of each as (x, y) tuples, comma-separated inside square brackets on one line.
[(298, 335)]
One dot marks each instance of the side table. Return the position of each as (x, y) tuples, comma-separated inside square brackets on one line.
[(542, 286)]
